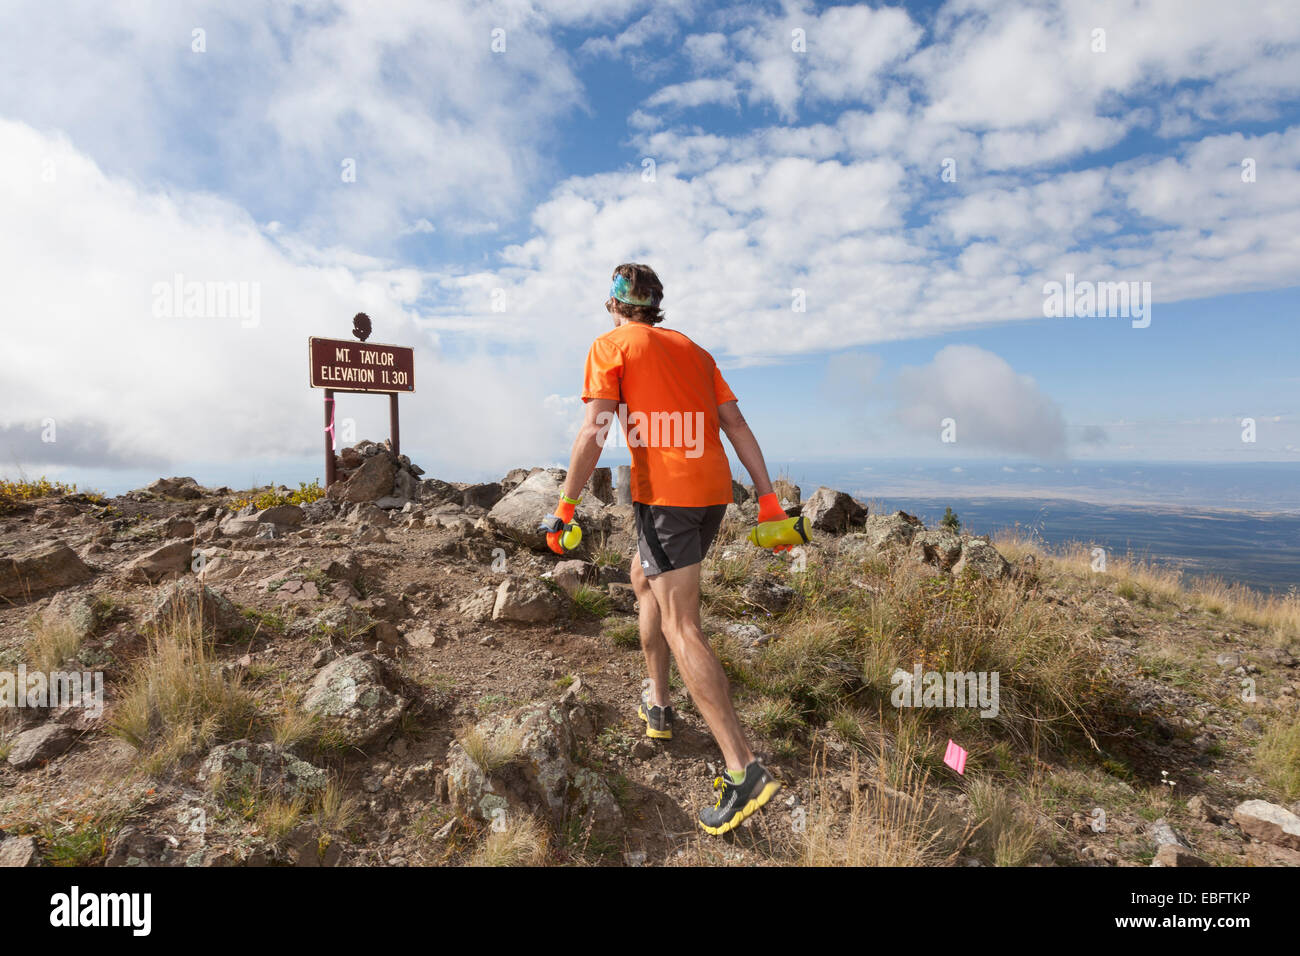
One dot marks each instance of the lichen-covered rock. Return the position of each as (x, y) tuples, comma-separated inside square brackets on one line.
[(526, 601), (939, 548), (749, 635), (349, 695), (769, 594), (898, 529), (262, 767), (833, 511), (535, 774), (133, 847), (981, 558), (189, 599), (75, 611)]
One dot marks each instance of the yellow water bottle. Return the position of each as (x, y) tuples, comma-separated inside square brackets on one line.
[(770, 534)]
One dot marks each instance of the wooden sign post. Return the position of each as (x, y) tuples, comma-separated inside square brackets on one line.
[(341, 365)]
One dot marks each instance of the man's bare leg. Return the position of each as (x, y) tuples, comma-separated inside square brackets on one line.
[(677, 594), (653, 644)]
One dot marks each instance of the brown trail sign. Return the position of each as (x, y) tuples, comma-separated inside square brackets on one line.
[(340, 365)]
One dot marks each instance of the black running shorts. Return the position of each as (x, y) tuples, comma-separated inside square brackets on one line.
[(669, 538)]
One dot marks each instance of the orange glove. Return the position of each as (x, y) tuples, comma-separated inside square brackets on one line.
[(563, 511), (769, 509)]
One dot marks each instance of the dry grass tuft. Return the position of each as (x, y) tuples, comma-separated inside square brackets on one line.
[(177, 700), (520, 841), (51, 643), (491, 751), (884, 825)]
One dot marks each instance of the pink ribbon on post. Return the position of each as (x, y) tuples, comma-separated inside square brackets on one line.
[(955, 757), (329, 429)]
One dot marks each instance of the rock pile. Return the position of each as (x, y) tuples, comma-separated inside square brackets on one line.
[(369, 471)]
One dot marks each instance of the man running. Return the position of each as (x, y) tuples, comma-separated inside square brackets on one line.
[(671, 400)]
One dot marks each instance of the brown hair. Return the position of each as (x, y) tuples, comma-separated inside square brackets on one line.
[(643, 284)]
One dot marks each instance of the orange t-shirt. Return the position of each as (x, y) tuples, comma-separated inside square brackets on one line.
[(669, 390)]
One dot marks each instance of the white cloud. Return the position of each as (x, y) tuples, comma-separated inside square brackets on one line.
[(83, 346), (993, 407), (694, 93), (436, 123)]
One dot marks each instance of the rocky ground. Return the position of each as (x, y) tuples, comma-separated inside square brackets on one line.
[(398, 674)]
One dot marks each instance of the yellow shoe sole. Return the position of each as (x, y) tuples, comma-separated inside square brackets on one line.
[(764, 795), (649, 731)]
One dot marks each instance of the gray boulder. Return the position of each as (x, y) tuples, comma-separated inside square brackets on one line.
[(76, 611), (939, 548), (350, 697), (262, 767), (190, 599), (833, 511), (530, 770), (896, 530), (769, 594), (518, 514), (981, 558)]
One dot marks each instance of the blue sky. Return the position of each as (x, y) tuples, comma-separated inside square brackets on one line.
[(508, 154)]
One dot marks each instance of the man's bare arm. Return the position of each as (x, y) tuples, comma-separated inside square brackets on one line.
[(600, 416), (742, 439)]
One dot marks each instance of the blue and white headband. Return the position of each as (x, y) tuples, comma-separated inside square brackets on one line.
[(621, 290)]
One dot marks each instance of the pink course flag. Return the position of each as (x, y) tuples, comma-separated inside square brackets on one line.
[(329, 429), (955, 758)]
